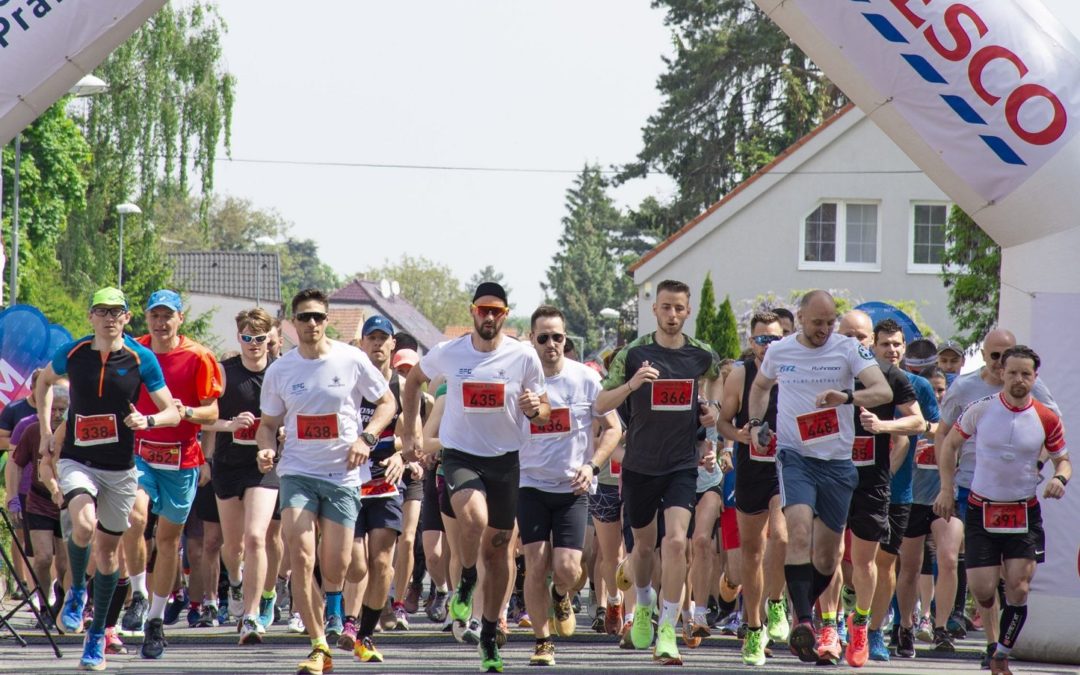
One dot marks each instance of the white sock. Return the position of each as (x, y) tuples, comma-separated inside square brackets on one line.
[(442, 588), (138, 583), (669, 612), (614, 599), (239, 579), (644, 595), (157, 606)]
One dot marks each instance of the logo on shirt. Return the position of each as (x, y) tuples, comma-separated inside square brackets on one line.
[(121, 371), (865, 352), (787, 369), (464, 372), (336, 382), (298, 388), (816, 368)]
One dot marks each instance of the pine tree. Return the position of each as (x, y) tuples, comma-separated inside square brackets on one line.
[(705, 325), (726, 330)]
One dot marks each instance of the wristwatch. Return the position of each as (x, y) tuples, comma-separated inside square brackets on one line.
[(928, 425), (532, 416), (850, 396), (150, 421), (189, 412), (1063, 479), (595, 469), (369, 439)]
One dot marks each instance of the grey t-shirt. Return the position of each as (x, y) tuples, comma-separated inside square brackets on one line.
[(965, 390)]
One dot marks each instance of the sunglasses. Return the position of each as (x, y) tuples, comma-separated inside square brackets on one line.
[(257, 339), (317, 317), (762, 340), (495, 310), (543, 338), (114, 312)]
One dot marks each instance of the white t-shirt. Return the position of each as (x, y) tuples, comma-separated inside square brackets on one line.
[(482, 416), (320, 399), (551, 454), (803, 373)]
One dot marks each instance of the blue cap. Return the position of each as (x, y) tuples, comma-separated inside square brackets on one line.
[(377, 323), (165, 298)]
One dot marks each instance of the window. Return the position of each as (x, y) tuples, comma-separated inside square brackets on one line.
[(927, 239), (841, 235)]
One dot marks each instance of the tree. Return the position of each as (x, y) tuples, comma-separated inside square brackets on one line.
[(971, 271), (726, 332), (585, 275), (301, 268), (431, 287), (232, 223), (736, 93), (487, 273), (705, 324)]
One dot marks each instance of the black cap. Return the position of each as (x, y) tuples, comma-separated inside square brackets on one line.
[(489, 288)]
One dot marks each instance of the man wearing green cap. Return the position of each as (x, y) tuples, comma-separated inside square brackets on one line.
[(95, 465)]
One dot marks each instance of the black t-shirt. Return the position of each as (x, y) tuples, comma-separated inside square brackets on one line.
[(385, 446), (661, 435), (13, 413), (747, 468), (242, 390), (875, 475)]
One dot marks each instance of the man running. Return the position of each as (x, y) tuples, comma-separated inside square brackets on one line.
[(559, 465), (95, 467), (1004, 519), (662, 375), (168, 461), (494, 386), (816, 369), (761, 524), (315, 392)]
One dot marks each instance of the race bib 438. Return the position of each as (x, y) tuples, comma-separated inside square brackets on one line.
[(317, 427)]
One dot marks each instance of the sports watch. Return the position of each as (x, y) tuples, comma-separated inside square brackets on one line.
[(369, 439)]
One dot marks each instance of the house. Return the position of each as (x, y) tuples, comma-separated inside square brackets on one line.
[(843, 208), (359, 299), (224, 283)]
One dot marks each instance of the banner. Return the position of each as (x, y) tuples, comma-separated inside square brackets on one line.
[(27, 342), (47, 45)]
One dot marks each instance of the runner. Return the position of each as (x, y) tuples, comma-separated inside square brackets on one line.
[(761, 524), (1004, 521), (168, 462), (659, 473), (315, 392), (559, 464), (816, 370), (492, 383), (246, 497), (95, 467), (950, 358)]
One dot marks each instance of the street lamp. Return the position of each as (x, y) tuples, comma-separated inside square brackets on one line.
[(123, 210), (260, 241)]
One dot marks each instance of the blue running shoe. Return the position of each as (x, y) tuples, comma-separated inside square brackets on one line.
[(266, 611), (71, 616), (93, 656), (878, 650)]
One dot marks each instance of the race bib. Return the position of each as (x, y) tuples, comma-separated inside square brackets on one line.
[(862, 451), (925, 457), (160, 455), (95, 429), (669, 395), (378, 488), (1005, 517), (615, 467), (818, 426), (766, 454), (246, 436), (483, 397), (317, 427), (558, 425)]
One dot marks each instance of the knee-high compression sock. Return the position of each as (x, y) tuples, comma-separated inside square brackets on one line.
[(961, 586), (79, 557), (519, 577), (104, 587), (800, 583), (369, 618), (819, 583), (117, 604), (1001, 593), (1012, 620)]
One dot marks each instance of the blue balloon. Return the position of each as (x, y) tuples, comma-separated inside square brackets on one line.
[(879, 311), (24, 346)]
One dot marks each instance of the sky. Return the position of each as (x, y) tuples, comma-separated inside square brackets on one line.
[(486, 84)]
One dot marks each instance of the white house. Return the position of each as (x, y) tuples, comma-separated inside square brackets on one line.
[(842, 208)]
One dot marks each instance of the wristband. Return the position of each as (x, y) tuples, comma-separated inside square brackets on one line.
[(1063, 479), (532, 416)]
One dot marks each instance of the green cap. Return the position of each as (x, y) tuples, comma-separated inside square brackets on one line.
[(109, 297)]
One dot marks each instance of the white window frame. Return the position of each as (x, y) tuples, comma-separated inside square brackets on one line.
[(912, 266), (841, 239)]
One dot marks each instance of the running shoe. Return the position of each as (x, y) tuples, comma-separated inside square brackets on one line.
[(842, 628), (693, 632), (803, 643), (347, 641), (388, 619), (135, 614), (858, 648), (999, 665), (176, 605), (564, 620), (319, 661), (955, 626), (93, 656), (209, 617), (471, 633), (490, 660), (365, 651), (333, 627), (515, 608), (599, 622), (778, 626), (543, 654), (436, 609), (877, 649), (461, 607), (524, 621), (905, 644), (412, 597), (401, 617), (625, 641), (281, 590), (113, 643), (925, 630), (266, 611), (154, 643), (943, 642), (987, 656), (642, 632), (613, 619), (828, 650), (71, 616), (296, 624), (753, 648), (193, 617), (730, 624), (236, 601), (666, 651), (249, 631)]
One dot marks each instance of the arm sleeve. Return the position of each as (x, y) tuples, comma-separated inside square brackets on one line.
[(270, 401)]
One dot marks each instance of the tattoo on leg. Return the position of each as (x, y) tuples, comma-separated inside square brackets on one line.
[(501, 539)]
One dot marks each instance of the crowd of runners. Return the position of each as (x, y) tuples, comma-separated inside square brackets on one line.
[(836, 490)]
